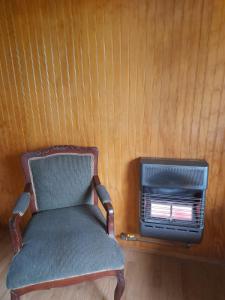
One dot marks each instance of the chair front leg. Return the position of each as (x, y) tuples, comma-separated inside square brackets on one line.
[(120, 285), (14, 296)]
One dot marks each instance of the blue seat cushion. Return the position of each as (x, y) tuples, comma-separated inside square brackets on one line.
[(64, 243)]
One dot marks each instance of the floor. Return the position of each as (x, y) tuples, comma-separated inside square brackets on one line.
[(148, 277)]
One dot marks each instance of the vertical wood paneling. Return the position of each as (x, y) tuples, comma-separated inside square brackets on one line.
[(135, 78)]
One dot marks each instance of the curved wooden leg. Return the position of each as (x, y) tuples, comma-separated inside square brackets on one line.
[(14, 296), (120, 285)]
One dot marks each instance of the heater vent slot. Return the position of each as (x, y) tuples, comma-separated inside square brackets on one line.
[(171, 176)]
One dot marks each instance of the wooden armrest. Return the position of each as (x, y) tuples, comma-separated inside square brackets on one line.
[(106, 203), (14, 223), (15, 232)]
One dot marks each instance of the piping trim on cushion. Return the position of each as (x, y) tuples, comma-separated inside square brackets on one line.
[(23, 286)]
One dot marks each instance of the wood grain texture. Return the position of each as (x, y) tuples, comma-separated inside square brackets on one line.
[(148, 277), (135, 78)]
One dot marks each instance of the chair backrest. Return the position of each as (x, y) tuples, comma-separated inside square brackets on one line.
[(61, 176)]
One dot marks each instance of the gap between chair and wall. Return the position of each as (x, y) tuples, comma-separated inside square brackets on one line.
[(167, 248)]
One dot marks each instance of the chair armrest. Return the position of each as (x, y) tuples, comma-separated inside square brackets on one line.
[(103, 193), (22, 204), (19, 210), (106, 202)]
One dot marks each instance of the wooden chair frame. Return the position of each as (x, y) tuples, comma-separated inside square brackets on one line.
[(16, 236)]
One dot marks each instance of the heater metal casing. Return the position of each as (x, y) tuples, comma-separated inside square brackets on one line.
[(172, 198)]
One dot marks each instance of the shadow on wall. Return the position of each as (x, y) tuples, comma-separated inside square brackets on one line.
[(13, 186), (132, 195)]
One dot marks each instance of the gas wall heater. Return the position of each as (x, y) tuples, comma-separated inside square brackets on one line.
[(172, 198)]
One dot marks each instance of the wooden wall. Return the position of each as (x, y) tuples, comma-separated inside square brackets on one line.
[(135, 78)]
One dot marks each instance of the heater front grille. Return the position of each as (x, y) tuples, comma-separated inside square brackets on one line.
[(172, 209)]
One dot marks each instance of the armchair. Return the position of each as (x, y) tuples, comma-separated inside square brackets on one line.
[(67, 240)]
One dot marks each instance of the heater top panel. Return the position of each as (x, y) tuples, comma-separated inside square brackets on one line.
[(174, 173)]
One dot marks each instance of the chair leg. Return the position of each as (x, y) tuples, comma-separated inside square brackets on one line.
[(14, 296), (120, 285)]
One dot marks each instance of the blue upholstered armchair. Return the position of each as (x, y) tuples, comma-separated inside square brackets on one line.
[(67, 240)]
